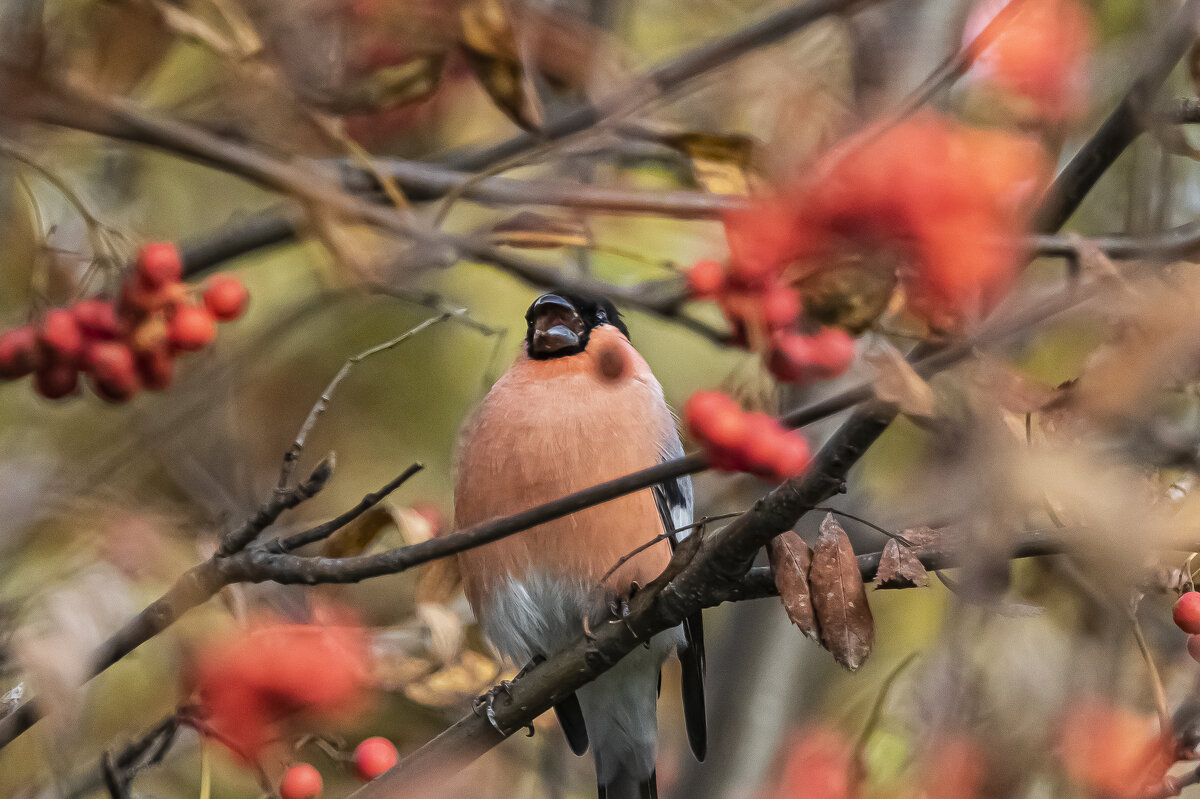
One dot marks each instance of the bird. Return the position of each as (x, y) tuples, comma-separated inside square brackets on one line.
[(579, 406)]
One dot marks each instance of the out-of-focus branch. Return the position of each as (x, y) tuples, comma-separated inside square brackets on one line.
[(1127, 121)]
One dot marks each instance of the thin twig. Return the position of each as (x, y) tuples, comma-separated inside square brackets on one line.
[(297, 448), (872, 525), (283, 499)]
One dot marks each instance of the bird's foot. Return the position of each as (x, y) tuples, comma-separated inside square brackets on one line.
[(485, 704)]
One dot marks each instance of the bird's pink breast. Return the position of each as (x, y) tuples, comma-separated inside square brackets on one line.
[(550, 428)]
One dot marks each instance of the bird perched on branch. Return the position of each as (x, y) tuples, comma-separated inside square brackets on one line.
[(579, 407)]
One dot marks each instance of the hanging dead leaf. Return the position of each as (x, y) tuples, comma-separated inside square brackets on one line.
[(840, 598), (900, 568), (533, 231), (897, 382), (850, 294), (490, 44), (354, 538), (440, 581), (791, 558), (721, 163)]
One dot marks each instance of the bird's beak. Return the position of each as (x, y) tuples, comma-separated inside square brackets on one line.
[(557, 326)]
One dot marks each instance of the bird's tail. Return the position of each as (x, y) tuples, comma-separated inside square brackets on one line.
[(623, 785)]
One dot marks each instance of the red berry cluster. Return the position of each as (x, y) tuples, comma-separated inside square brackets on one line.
[(764, 310), (738, 441), (372, 757), (1187, 618), (124, 346)]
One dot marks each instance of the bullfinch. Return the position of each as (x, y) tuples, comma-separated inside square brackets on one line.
[(580, 406)]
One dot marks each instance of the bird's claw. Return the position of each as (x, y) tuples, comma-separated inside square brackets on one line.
[(485, 705)]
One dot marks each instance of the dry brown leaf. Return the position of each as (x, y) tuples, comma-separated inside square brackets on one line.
[(791, 558), (355, 537), (900, 568), (490, 44), (445, 630), (850, 294), (721, 164), (533, 231), (897, 382), (450, 686), (840, 598)]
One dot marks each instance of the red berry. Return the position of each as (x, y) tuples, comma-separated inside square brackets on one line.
[(780, 306), (1187, 612), (762, 443), (59, 337), (225, 297), (158, 264), (374, 756), (300, 781), (56, 380), (715, 419), (790, 357), (833, 352), (97, 319), (793, 457), (18, 352), (191, 328), (156, 367), (706, 278), (113, 370), (1193, 647)]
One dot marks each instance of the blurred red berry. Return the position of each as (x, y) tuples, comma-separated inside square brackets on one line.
[(761, 241), (714, 418), (1187, 612), (56, 380), (1040, 54), (59, 337), (832, 352), (97, 319), (780, 306), (158, 264), (248, 689), (793, 458), (706, 279), (156, 368), (819, 765), (954, 769), (374, 756), (300, 781), (1193, 647), (191, 328), (18, 352), (1112, 750), (225, 297), (113, 371), (762, 442)]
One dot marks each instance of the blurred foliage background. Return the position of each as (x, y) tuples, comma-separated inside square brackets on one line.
[(105, 505)]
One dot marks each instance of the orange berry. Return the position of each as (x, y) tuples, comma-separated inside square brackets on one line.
[(225, 297), (374, 756), (18, 352), (158, 264), (191, 328), (300, 781), (833, 352), (762, 442)]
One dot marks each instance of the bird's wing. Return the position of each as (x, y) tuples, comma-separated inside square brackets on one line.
[(675, 503)]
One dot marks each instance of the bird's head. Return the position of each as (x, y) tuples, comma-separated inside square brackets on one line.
[(560, 323)]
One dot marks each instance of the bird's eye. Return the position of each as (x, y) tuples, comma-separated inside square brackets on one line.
[(601, 317)]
